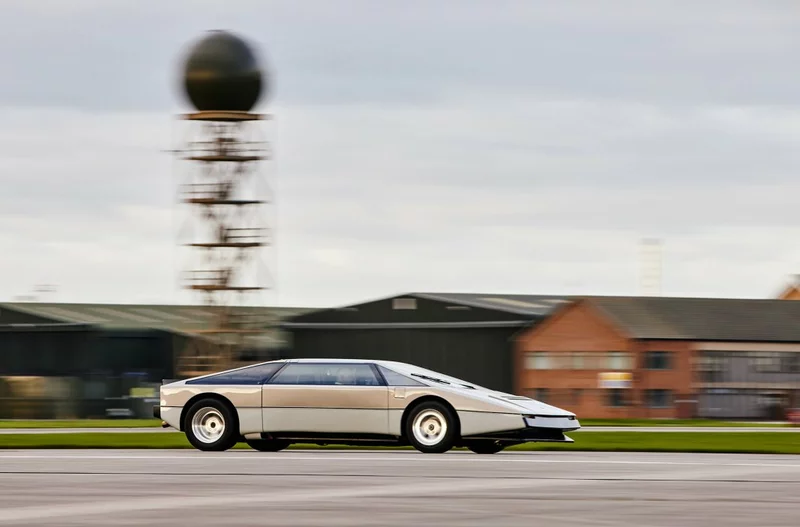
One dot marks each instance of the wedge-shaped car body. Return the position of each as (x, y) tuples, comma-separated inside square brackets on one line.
[(322, 401)]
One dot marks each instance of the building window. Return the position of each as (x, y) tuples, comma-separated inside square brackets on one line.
[(578, 360), (537, 360), (616, 397), (595, 361), (766, 362), (576, 396), (784, 362), (790, 363), (658, 360), (712, 365), (404, 303), (585, 360), (658, 398), (618, 360), (561, 361)]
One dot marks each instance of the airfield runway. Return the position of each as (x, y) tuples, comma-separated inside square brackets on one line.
[(395, 488), (152, 429)]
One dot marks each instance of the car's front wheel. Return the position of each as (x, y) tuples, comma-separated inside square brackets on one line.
[(432, 428), (211, 426), (267, 445)]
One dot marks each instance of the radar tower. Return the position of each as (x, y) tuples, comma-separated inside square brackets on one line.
[(221, 158)]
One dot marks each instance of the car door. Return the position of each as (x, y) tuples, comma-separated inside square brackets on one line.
[(325, 397)]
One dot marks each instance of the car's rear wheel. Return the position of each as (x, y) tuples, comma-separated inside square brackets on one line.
[(485, 447), (431, 428), (211, 426), (267, 445)]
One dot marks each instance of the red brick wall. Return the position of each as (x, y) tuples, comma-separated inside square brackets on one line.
[(678, 378), (583, 328)]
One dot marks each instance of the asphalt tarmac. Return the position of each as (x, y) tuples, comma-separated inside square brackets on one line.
[(720, 429), (395, 488)]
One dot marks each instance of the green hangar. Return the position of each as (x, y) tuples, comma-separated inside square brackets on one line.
[(469, 336), (60, 360)]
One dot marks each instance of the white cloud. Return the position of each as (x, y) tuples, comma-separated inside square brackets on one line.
[(332, 257), (528, 156)]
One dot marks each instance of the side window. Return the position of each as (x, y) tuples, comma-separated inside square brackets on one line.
[(327, 375), (355, 375), (396, 379), (247, 375)]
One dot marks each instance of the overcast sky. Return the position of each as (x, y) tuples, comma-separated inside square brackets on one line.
[(464, 146)]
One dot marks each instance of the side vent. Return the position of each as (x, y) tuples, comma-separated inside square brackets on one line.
[(511, 398)]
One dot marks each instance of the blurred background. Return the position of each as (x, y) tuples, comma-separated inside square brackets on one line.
[(589, 203)]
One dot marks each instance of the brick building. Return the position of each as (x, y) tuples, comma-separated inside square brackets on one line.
[(640, 357)]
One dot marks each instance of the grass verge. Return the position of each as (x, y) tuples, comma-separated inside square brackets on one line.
[(679, 422), (733, 442)]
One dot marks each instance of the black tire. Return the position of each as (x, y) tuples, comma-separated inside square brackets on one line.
[(434, 413), (217, 415), (485, 447), (267, 445)]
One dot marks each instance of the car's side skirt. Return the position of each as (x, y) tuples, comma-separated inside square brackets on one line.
[(326, 438), (526, 435)]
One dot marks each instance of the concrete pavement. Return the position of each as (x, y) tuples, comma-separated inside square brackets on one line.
[(398, 488), (585, 429)]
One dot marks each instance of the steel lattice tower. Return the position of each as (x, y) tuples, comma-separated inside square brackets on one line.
[(222, 158)]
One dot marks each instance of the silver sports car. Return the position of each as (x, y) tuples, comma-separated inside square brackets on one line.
[(274, 404)]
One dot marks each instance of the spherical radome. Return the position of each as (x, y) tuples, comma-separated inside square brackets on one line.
[(222, 73)]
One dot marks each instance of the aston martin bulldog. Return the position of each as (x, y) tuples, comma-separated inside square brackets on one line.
[(274, 404)]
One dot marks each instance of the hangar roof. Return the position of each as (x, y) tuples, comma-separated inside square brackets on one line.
[(533, 305), (432, 310), (683, 318), (720, 319), (177, 318)]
